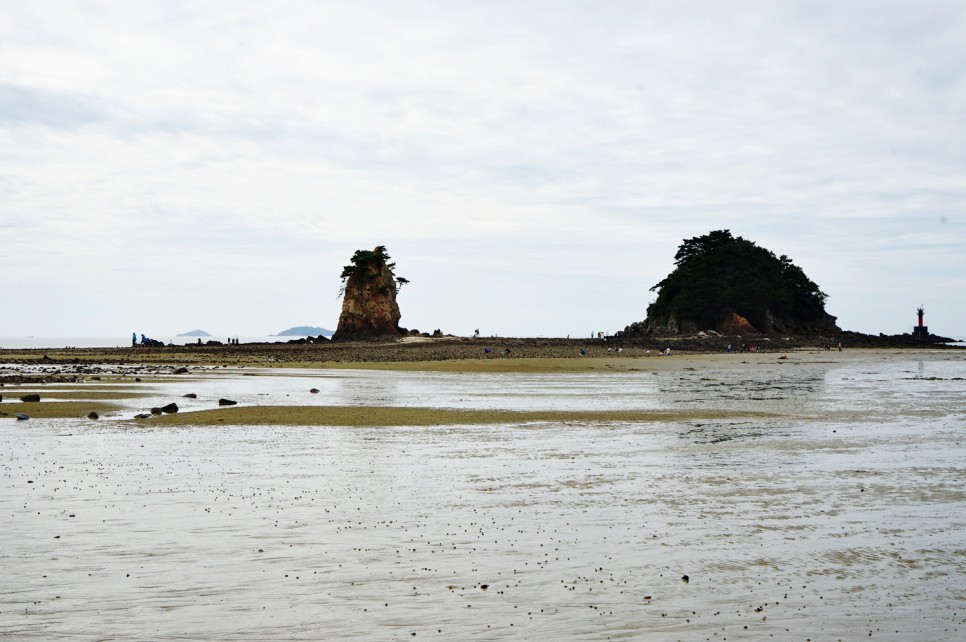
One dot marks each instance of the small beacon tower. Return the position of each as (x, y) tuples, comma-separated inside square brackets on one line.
[(920, 330)]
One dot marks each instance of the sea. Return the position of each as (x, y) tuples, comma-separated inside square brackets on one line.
[(125, 341), (820, 497)]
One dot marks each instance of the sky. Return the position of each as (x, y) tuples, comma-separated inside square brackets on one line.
[(532, 167)]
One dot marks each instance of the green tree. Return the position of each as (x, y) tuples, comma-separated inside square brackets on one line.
[(367, 265), (718, 274)]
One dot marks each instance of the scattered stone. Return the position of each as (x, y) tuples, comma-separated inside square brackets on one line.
[(227, 402), (22, 417), (181, 371), (171, 408), (93, 415), (314, 390), (685, 579), (30, 398), (191, 395)]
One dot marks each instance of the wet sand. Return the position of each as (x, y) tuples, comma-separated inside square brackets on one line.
[(818, 497)]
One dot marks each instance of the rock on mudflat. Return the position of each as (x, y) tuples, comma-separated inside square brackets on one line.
[(191, 395), (22, 417), (181, 371), (171, 408), (155, 411), (142, 416), (30, 398), (227, 402), (93, 415), (314, 390)]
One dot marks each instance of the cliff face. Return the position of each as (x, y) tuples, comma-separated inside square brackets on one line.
[(732, 286), (369, 307)]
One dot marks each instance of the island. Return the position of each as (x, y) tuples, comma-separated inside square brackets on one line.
[(194, 333), (305, 331)]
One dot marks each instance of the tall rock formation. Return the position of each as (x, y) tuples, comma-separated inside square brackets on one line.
[(369, 307), (732, 286)]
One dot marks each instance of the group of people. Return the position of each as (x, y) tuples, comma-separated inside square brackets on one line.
[(231, 341), (146, 342), (666, 352), (745, 348)]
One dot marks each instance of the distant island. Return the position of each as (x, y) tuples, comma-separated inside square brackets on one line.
[(194, 333), (305, 331)]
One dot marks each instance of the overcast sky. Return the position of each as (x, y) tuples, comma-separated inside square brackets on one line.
[(532, 167)]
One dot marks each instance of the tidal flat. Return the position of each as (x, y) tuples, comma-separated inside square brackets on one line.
[(737, 497)]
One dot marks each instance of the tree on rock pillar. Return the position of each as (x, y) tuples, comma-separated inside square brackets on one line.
[(369, 288)]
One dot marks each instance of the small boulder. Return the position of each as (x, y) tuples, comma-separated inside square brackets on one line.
[(30, 398), (191, 395), (93, 415), (22, 417), (142, 416), (171, 408), (227, 402), (155, 411), (314, 390), (181, 370)]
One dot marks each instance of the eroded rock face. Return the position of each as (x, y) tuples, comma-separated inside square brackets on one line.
[(734, 323), (369, 307)]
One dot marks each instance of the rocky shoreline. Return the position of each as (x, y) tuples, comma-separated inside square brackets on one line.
[(450, 348)]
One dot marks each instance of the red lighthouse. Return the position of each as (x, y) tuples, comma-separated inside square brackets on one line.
[(920, 330)]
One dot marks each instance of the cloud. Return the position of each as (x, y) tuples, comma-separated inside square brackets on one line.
[(59, 110), (547, 155)]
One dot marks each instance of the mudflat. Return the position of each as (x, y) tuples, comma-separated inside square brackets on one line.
[(123, 383), (696, 496)]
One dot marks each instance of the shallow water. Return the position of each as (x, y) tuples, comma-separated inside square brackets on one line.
[(840, 517)]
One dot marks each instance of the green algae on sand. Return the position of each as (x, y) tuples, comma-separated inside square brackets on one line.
[(408, 416), (56, 409)]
